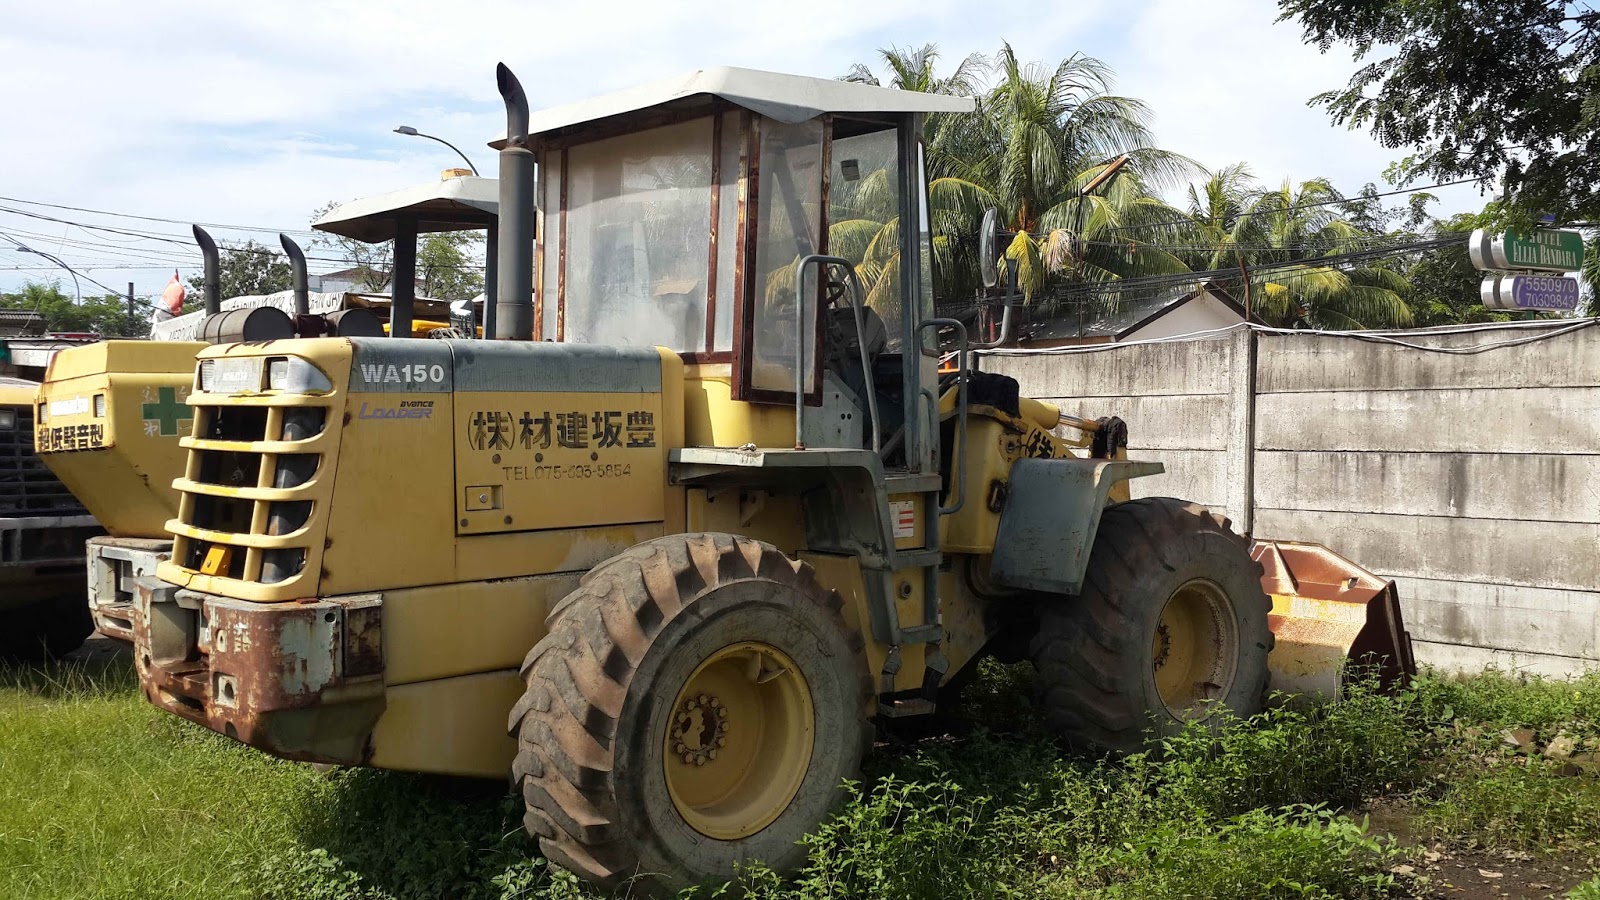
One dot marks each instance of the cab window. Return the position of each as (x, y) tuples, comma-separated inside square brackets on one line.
[(638, 220)]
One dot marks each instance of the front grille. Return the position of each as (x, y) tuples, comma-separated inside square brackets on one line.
[(27, 487), (244, 503)]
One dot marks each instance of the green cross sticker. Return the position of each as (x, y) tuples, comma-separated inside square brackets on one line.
[(165, 414)]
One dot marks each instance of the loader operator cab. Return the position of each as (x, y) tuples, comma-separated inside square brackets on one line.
[(691, 234)]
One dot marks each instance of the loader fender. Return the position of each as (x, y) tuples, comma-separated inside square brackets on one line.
[(1052, 512)]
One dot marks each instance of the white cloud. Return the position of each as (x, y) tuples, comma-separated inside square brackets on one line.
[(259, 113), (1231, 84)]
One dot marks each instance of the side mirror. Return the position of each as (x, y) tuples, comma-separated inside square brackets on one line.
[(463, 317), (989, 247)]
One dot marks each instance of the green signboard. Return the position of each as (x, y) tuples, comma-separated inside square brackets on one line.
[(1543, 249)]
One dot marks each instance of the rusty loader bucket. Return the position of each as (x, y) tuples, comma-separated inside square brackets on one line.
[(1334, 621)]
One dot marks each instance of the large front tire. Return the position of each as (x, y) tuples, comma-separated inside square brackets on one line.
[(1170, 627), (697, 704)]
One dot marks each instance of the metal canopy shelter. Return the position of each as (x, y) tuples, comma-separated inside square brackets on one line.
[(454, 204)]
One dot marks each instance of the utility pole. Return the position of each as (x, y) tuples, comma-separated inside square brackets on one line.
[(1081, 246), (132, 320)]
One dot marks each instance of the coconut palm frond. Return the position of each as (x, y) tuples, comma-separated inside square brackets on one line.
[(1388, 279), (1372, 307), (1060, 250), (851, 238), (859, 74)]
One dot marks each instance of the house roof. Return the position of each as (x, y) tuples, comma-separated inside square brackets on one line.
[(455, 204), (787, 98), (1119, 321)]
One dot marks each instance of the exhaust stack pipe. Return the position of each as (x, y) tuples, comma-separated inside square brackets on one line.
[(514, 287), (213, 271), (297, 278)]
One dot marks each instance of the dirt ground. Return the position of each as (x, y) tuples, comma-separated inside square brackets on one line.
[(1438, 871)]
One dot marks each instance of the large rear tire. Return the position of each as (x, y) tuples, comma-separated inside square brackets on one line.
[(697, 703), (1170, 627)]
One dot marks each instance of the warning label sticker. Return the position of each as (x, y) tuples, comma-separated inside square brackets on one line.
[(904, 513)]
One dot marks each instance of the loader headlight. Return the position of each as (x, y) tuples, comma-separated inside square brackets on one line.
[(294, 375), (229, 375), (8, 419)]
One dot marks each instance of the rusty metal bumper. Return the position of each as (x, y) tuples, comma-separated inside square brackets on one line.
[(301, 680)]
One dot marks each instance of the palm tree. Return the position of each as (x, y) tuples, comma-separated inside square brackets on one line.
[(1232, 222), (913, 70), (865, 218), (1038, 136)]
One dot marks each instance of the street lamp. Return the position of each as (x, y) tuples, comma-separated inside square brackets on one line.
[(412, 132), (23, 248)]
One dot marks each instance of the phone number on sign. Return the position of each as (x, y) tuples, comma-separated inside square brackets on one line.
[(569, 473)]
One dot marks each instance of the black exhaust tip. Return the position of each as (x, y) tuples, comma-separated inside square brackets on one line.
[(213, 271), (299, 281), (514, 276)]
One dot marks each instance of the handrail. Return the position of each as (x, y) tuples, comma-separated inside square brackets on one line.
[(859, 301), (958, 480)]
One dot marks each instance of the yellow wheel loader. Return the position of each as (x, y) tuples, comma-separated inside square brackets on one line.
[(667, 550)]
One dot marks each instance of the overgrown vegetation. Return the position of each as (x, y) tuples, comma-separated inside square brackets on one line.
[(103, 796)]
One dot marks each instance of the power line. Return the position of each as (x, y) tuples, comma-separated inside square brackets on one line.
[(1178, 279), (148, 253), (105, 212), (1344, 200)]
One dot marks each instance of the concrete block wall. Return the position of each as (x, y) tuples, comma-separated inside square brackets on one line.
[(1471, 479), (1186, 404)]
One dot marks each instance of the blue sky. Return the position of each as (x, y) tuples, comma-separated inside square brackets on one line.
[(256, 114)]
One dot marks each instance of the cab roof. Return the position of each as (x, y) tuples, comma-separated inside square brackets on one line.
[(787, 98), (453, 204)]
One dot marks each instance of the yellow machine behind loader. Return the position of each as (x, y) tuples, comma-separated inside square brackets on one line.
[(669, 564), (42, 530), (114, 410)]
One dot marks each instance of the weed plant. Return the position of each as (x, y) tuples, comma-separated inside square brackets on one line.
[(103, 796)]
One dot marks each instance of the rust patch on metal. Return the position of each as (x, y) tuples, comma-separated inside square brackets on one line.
[(264, 673), (716, 196), (363, 639), (744, 260), (1334, 621), (561, 255)]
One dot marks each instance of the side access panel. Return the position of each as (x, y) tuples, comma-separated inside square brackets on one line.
[(1050, 519), (558, 436)]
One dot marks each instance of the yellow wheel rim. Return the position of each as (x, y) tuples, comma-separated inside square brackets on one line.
[(739, 740), (1195, 649)]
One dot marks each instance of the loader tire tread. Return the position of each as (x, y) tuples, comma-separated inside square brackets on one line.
[(1091, 650), (578, 677)]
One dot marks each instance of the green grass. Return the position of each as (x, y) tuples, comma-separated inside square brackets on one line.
[(103, 796), (1589, 890)]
